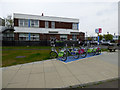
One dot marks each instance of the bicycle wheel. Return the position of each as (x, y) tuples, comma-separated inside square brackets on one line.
[(84, 54), (64, 58), (98, 52), (76, 55), (53, 54), (92, 53)]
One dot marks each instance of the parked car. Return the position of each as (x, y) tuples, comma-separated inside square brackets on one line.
[(112, 47), (94, 42), (105, 42)]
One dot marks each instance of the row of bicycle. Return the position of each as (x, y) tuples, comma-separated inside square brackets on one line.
[(75, 52)]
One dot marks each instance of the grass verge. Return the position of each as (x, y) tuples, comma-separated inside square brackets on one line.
[(9, 57)]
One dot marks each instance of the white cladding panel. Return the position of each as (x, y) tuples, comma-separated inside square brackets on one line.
[(42, 30), (47, 18)]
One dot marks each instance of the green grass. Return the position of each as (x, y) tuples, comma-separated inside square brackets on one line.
[(9, 56)]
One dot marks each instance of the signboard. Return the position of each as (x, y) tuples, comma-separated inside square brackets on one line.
[(99, 30), (96, 31)]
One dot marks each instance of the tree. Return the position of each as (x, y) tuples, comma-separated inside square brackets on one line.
[(108, 37), (9, 21), (119, 38), (3, 22), (89, 38), (100, 37)]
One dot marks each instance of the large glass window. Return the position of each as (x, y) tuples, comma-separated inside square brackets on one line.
[(74, 37), (74, 26), (63, 37), (52, 24), (46, 24), (34, 23), (8, 36), (23, 22), (34, 37), (25, 37)]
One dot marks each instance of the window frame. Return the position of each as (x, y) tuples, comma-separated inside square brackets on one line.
[(52, 24)]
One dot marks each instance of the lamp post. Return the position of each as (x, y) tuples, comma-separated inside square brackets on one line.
[(99, 30)]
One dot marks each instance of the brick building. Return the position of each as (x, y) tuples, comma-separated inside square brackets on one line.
[(36, 28)]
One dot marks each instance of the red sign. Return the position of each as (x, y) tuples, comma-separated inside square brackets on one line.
[(100, 30)]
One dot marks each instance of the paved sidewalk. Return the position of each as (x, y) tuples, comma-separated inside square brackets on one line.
[(56, 74)]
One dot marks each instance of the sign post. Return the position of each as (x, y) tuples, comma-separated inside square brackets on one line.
[(98, 30)]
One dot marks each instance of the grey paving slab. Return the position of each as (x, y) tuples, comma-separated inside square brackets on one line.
[(19, 78), (16, 85), (37, 68), (53, 80), (36, 81), (7, 76), (26, 66), (70, 81)]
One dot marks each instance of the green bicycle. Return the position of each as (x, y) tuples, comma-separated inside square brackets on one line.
[(61, 54)]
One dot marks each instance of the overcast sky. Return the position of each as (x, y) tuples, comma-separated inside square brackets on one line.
[(92, 14)]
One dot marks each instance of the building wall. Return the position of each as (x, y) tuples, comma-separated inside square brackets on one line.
[(42, 24), (49, 24), (16, 22), (69, 37), (63, 25), (48, 36), (16, 36), (58, 25)]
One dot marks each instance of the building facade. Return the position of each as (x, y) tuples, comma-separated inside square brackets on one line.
[(36, 28)]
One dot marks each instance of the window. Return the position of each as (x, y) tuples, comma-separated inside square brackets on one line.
[(52, 24), (34, 37), (63, 37), (34, 23), (26, 23), (25, 37), (74, 37), (75, 26), (23, 22), (46, 24), (8, 36)]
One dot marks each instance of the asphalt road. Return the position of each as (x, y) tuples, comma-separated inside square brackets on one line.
[(110, 84)]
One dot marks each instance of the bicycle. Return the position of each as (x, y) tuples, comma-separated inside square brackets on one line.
[(72, 51), (82, 52), (91, 51), (61, 54), (97, 50)]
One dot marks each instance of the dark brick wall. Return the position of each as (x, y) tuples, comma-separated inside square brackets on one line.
[(42, 24), (63, 25), (15, 22), (16, 36), (69, 37), (49, 24)]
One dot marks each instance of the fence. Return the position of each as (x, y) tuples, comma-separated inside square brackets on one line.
[(37, 43)]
